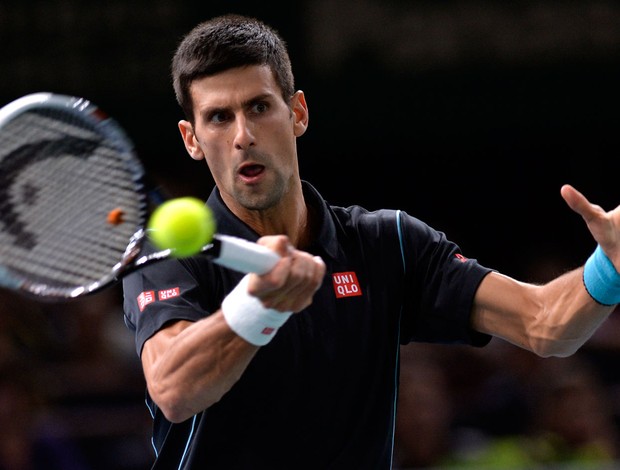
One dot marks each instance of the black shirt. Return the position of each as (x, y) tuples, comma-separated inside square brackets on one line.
[(322, 393)]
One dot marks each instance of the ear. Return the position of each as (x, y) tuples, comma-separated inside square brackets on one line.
[(190, 140), (300, 112)]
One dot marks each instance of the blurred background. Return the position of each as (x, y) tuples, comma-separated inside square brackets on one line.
[(467, 114)]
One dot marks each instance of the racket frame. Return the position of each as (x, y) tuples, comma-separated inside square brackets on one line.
[(228, 251)]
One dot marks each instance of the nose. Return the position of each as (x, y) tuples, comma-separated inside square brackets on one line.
[(244, 136)]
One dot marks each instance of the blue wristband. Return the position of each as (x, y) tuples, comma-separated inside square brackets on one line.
[(601, 279)]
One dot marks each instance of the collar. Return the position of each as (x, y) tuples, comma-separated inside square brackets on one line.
[(229, 224)]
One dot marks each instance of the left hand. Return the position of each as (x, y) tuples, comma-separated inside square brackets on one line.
[(604, 226)]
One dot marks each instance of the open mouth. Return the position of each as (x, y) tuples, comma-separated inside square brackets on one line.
[(250, 171)]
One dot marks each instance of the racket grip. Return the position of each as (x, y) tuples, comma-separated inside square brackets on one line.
[(243, 255)]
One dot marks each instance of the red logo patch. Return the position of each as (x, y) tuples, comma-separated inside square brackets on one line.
[(148, 297), (145, 298), (346, 284), (168, 293)]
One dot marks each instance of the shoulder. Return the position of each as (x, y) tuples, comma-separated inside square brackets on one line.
[(360, 218), (380, 227)]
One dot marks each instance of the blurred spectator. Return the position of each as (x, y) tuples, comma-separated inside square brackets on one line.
[(525, 412), (573, 420), (71, 390), (31, 438), (425, 414)]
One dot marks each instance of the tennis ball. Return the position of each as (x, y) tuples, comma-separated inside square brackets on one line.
[(183, 225)]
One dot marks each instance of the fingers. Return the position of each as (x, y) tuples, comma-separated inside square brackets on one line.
[(278, 243), (303, 279), (580, 204), (575, 200), (291, 284), (604, 226)]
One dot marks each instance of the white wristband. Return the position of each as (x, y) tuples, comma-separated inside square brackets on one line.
[(246, 315)]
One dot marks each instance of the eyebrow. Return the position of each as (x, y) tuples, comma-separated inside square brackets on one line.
[(244, 104), (261, 97)]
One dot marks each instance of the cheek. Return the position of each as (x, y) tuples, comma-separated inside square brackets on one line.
[(287, 146), (214, 163), (219, 166), (212, 151), (282, 137)]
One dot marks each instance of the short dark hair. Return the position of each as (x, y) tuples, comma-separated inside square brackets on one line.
[(226, 42)]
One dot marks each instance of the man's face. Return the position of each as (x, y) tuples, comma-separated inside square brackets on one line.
[(247, 134)]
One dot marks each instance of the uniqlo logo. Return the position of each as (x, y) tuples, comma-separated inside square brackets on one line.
[(346, 284), (168, 293), (145, 298)]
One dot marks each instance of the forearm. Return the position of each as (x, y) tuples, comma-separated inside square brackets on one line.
[(554, 319), (568, 316), (190, 366)]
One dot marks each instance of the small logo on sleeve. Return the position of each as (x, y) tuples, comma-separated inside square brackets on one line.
[(346, 284), (145, 298), (168, 293), (148, 297)]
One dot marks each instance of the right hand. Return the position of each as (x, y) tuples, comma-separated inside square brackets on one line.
[(291, 284)]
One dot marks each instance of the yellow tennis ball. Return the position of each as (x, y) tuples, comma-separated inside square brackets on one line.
[(183, 225)]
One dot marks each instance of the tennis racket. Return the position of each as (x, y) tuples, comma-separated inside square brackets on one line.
[(74, 202)]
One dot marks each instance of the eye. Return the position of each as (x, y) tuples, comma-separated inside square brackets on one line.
[(260, 107), (218, 117)]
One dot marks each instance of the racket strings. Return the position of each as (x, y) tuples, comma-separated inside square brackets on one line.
[(64, 175)]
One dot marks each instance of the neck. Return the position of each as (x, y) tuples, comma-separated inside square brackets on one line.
[(290, 217)]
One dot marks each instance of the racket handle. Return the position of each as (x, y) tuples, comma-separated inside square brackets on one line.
[(243, 255)]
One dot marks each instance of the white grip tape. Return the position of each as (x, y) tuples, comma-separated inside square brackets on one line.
[(246, 315)]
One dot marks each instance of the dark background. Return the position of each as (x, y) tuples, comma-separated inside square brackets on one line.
[(467, 114)]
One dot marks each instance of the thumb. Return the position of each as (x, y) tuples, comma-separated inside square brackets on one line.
[(578, 202)]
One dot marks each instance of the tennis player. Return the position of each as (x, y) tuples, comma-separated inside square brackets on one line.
[(297, 368)]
